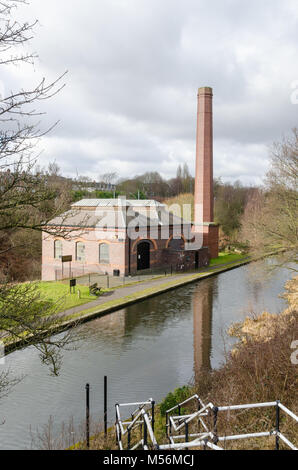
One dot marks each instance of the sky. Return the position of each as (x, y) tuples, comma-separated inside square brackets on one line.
[(134, 67)]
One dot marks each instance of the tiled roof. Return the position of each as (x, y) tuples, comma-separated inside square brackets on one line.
[(115, 219)]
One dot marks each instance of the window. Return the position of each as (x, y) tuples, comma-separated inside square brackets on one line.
[(80, 252), (58, 252), (104, 256)]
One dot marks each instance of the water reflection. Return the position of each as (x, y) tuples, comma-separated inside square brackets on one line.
[(108, 330), (202, 326), (146, 350)]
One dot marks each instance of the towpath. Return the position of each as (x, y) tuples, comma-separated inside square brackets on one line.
[(122, 296)]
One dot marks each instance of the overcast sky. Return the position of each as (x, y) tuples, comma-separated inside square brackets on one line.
[(134, 70)]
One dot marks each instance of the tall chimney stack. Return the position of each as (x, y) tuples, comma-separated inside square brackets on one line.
[(204, 159), (203, 198)]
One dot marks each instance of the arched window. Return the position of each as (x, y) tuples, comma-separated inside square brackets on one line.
[(80, 252), (58, 251), (104, 255)]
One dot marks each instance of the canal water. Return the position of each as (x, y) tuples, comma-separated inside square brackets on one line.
[(146, 350)]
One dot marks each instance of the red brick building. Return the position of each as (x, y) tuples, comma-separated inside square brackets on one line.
[(119, 236), (108, 235)]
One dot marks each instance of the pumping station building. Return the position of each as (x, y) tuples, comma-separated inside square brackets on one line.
[(122, 237)]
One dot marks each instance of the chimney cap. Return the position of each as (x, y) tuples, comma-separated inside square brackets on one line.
[(205, 90)]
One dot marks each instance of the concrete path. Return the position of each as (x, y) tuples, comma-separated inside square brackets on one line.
[(128, 290)]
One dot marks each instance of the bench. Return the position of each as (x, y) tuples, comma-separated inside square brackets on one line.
[(94, 290)]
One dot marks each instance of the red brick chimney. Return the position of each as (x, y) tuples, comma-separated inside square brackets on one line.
[(204, 199)]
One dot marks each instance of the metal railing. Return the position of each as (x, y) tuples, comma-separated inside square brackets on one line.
[(178, 426), (142, 419)]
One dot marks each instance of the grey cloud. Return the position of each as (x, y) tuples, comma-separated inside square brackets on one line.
[(134, 68)]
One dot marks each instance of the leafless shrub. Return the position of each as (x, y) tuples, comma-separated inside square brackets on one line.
[(71, 436), (259, 371)]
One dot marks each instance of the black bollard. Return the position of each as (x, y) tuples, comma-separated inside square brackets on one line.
[(88, 416), (106, 405)]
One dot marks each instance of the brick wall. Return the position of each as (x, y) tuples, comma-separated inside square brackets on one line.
[(160, 254), (210, 239), (52, 268)]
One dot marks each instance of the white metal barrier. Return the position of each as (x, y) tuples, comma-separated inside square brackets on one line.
[(139, 430), (142, 418)]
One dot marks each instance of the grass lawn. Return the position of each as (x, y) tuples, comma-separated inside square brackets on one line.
[(54, 291), (59, 292), (227, 258)]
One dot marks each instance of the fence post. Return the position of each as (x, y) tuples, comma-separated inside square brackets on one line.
[(118, 438), (145, 432), (153, 415), (199, 407), (167, 424), (277, 413), (88, 416), (106, 405), (186, 434), (215, 413), (116, 425)]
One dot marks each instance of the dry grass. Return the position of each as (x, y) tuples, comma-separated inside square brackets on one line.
[(175, 204), (72, 437), (259, 371)]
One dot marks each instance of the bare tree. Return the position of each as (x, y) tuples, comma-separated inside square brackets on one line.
[(270, 217), (28, 199), (7, 382), (109, 178), (20, 186), (26, 317)]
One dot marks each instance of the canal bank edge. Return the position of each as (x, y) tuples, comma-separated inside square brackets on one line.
[(111, 306)]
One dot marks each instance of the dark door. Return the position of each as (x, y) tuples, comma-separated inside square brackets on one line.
[(143, 255), (197, 260)]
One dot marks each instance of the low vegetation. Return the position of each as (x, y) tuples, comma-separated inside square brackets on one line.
[(229, 207), (224, 258)]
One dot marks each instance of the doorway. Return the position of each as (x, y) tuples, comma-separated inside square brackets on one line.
[(143, 255), (197, 260)]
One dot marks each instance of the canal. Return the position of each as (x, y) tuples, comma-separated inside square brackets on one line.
[(146, 350)]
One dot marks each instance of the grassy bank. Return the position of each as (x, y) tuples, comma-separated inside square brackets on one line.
[(69, 318), (52, 291), (55, 291), (224, 258)]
